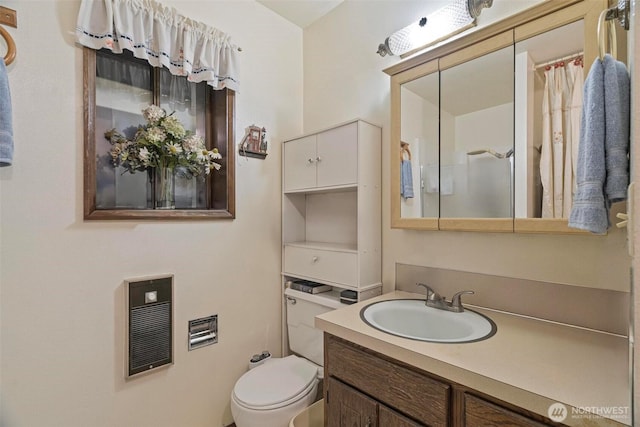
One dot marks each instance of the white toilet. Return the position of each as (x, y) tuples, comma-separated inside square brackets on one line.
[(271, 394)]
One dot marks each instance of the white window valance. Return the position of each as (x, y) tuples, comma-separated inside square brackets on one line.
[(162, 36)]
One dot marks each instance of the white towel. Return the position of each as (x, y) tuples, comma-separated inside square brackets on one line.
[(6, 121)]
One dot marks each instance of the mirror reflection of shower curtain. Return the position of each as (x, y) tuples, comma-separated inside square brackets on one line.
[(561, 110)]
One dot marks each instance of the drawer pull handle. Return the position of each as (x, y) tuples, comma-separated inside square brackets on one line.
[(314, 259), (291, 300)]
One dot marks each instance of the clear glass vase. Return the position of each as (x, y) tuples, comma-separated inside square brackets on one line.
[(165, 188)]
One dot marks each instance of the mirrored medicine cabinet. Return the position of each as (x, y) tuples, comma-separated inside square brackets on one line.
[(467, 121)]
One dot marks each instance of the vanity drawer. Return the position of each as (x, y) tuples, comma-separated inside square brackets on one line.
[(480, 413), (406, 390), (332, 266)]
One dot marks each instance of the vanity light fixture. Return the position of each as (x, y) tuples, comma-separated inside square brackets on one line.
[(433, 28)]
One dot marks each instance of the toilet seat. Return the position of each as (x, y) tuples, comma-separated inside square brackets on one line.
[(276, 384)]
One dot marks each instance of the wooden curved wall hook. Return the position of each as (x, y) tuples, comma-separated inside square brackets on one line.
[(11, 46), (404, 150), (606, 36)]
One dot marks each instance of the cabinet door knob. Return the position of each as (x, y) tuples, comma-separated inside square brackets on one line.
[(314, 259), (318, 159), (368, 423), (310, 160)]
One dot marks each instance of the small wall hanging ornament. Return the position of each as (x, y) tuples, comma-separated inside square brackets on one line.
[(254, 143)]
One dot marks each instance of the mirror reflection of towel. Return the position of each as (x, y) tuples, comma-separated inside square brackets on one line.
[(6, 126), (406, 179)]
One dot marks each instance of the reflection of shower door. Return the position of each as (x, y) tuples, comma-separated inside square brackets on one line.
[(422, 191), (430, 190), (480, 188), (489, 183)]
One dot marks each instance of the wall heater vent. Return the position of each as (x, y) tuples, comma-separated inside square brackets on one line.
[(149, 324)]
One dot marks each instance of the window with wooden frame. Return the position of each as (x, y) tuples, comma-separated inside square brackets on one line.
[(117, 87)]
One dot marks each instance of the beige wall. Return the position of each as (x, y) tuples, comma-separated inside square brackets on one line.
[(61, 279), (344, 79)]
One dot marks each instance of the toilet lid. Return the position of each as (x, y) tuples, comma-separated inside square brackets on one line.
[(276, 383)]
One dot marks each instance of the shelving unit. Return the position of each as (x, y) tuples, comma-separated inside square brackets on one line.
[(331, 209)]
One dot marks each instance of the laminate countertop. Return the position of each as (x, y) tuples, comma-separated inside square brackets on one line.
[(530, 363)]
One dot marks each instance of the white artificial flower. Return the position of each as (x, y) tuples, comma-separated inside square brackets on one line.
[(156, 134), (212, 165), (153, 113), (215, 154), (144, 155), (115, 151), (202, 155), (193, 143), (174, 148), (173, 127)]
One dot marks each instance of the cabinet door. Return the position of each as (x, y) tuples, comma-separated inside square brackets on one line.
[(337, 156), (407, 390), (390, 418), (347, 407), (300, 164)]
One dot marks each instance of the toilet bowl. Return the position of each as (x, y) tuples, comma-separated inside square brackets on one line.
[(271, 394)]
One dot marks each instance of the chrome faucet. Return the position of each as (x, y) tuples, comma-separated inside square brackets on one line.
[(435, 300)]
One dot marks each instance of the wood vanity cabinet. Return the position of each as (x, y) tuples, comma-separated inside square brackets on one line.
[(349, 407), (365, 389)]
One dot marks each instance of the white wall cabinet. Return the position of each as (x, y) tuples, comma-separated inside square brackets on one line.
[(326, 159), (300, 164), (331, 208)]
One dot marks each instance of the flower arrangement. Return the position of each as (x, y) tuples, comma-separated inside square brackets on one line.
[(162, 143)]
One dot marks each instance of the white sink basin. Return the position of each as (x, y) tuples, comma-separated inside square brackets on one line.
[(411, 318)]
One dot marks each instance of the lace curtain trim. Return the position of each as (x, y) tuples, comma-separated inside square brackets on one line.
[(162, 36)]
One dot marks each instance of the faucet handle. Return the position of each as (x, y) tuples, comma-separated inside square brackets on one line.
[(456, 300), (429, 290), (431, 294)]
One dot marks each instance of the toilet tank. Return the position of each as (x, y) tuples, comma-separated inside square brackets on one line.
[(304, 339)]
